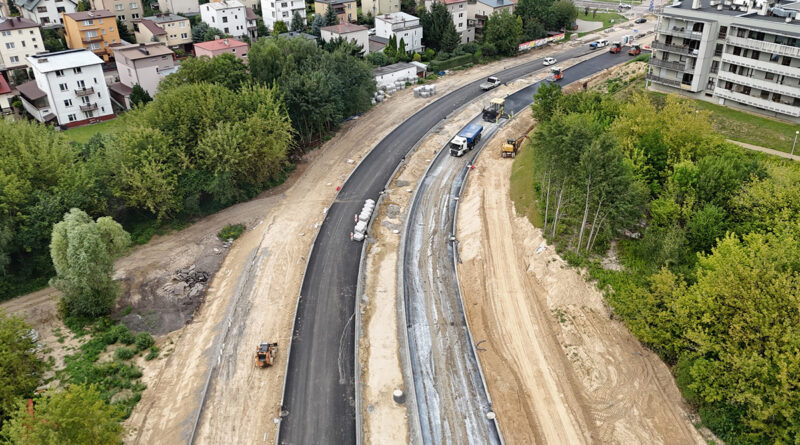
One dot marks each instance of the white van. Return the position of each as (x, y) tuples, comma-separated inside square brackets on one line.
[(599, 44)]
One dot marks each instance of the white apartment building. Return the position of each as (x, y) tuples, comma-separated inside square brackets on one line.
[(19, 38), (738, 53), (46, 12), (402, 26), (378, 7), (228, 16), (281, 11), (69, 88), (126, 10), (179, 6)]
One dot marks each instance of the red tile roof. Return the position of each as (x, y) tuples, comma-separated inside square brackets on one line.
[(4, 88), (16, 23), (154, 29), (218, 44), (250, 15), (344, 28)]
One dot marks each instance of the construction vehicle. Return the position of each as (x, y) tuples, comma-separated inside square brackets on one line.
[(490, 83), (616, 48), (265, 354), (556, 74), (494, 110), (635, 50), (465, 140), (510, 148)]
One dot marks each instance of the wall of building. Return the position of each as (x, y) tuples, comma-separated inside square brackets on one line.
[(281, 10), (145, 72), (92, 77), (359, 37), (390, 78), (228, 20), (103, 29), (24, 42), (125, 10), (48, 12), (378, 7), (350, 13), (179, 6)]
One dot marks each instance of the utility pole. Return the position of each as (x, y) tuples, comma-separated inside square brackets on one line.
[(797, 132)]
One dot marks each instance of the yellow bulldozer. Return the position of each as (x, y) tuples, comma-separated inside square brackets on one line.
[(265, 354)]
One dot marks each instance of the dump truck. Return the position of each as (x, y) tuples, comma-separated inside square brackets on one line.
[(616, 48), (556, 74), (265, 354), (490, 83), (494, 110), (635, 50), (465, 140)]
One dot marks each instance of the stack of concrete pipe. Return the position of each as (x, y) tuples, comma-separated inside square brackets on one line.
[(362, 220), (425, 91)]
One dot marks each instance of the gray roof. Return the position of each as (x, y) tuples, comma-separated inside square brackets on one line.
[(497, 3), (164, 18), (294, 34), (707, 8), (16, 23), (393, 68)]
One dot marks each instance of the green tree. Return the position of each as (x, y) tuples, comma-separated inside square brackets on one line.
[(316, 24), (76, 415), (438, 30), (139, 96), (391, 48), (705, 227), (83, 253), (298, 24), (546, 101), (84, 5), (53, 39), (21, 368), (124, 33), (199, 32), (279, 28), (408, 6), (401, 55), (330, 16), (503, 30), (561, 14), (377, 59), (225, 69)]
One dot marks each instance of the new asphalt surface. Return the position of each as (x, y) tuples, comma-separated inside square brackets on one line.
[(318, 400)]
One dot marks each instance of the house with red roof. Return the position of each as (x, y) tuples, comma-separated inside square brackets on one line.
[(216, 47)]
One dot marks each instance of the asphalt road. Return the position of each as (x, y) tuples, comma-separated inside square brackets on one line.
[(318, 403)]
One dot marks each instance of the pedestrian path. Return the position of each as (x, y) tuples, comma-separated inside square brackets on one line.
[(766, 150)]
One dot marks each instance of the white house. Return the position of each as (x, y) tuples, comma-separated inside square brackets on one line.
[(402, 26), (282, 11), (387, 75), (178, 6), (348, 31), (228, 16), (19, 38), (46, 12), (481, 10), (69, 88)]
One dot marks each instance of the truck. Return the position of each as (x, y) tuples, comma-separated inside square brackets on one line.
[(465, 140), (616, 48), (635, 50), (492, 82)]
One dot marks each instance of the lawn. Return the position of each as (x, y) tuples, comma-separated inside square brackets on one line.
[(523, 194), (609, 19), (82, 134)]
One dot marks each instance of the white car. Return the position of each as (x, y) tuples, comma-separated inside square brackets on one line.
[(549, 61), (625, 6)]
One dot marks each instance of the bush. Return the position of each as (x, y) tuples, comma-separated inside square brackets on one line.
[(417, 58), (454, 62), (124, 353), (152, 354), (442, 55), (428, 55), (488, 50), (144, 341), (471, 47), (377, 59), (231, 232)]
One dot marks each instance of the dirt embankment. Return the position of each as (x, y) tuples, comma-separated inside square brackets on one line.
[(552, 349)]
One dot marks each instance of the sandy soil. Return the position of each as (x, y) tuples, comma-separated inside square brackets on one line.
[(554, 357)]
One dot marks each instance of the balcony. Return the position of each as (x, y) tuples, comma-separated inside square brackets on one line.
[(767, 47), (84, 91), (88, 107), (776, 107), (669, 82), (762, 65), (685, 50), (681, 32), (675, 66), (761, 84), (87, 39)]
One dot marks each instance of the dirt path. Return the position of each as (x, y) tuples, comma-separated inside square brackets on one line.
[(553, 355)]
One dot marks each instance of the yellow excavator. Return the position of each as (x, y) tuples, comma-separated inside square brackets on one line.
[(511, 147)]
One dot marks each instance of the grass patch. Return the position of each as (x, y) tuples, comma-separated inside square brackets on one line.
[(231, 231), (84, 133), (523, 192), (609, 19)]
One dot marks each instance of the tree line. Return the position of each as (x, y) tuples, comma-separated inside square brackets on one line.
[(708, 239)]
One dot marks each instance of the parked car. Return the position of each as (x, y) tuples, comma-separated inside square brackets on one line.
[(372, 31), (598, 44), (640, 20), (625, 6), (549, 61)]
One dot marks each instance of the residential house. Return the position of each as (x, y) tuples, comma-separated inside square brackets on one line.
[(281, 11), (247, 3), (744, 55), (5, 97), (216, 47), (348, 31), (19, 38), (189, 7), (481, 10), (69, 88), (173, 30), (228, 16), (145, 65), (459, 11), (402, 26), (346, 10), (388, 75), (252, 23), (378, 7), (5, 11), (46, 12), (94, 30), (126, 10)]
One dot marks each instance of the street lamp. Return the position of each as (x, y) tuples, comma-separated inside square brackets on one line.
[(795, 140)]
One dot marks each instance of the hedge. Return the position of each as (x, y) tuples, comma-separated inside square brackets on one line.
[(441, 65)]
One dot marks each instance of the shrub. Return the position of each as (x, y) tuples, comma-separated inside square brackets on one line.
[(417, 57), (454, 62), (471, 47), (125, 336), (231, 232), (152, 354), (124, 353), (144, 341), (489, 50)]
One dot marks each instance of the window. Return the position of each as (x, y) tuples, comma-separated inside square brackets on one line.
[(133, 16), (14, 59), (786, 61), (776, 97), (737, 51), (87, 22), (460, 14), (224, 20), (134, 6), (10, 45), (769, 76), (81, 84), (723, 32), (100, 21), (746, 90), (63, 87), (85, 99), (227, 31), (61, 10), (122, 17), (182, 25), (95, 81), (59, 73), (715, 66), (67, 102), (71, 117), (91, 34), (6, 33), (184, 35), (111, 29), (94, 46), (89, 114), (41, 9), (76, 70), (765, 95), (119, 7), (755, 55)]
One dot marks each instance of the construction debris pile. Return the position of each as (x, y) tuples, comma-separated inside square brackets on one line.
[(188, 282)]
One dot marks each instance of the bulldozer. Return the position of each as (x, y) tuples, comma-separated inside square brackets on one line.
[(510, 148), (556, 74), (265, 354), (494, 110)]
